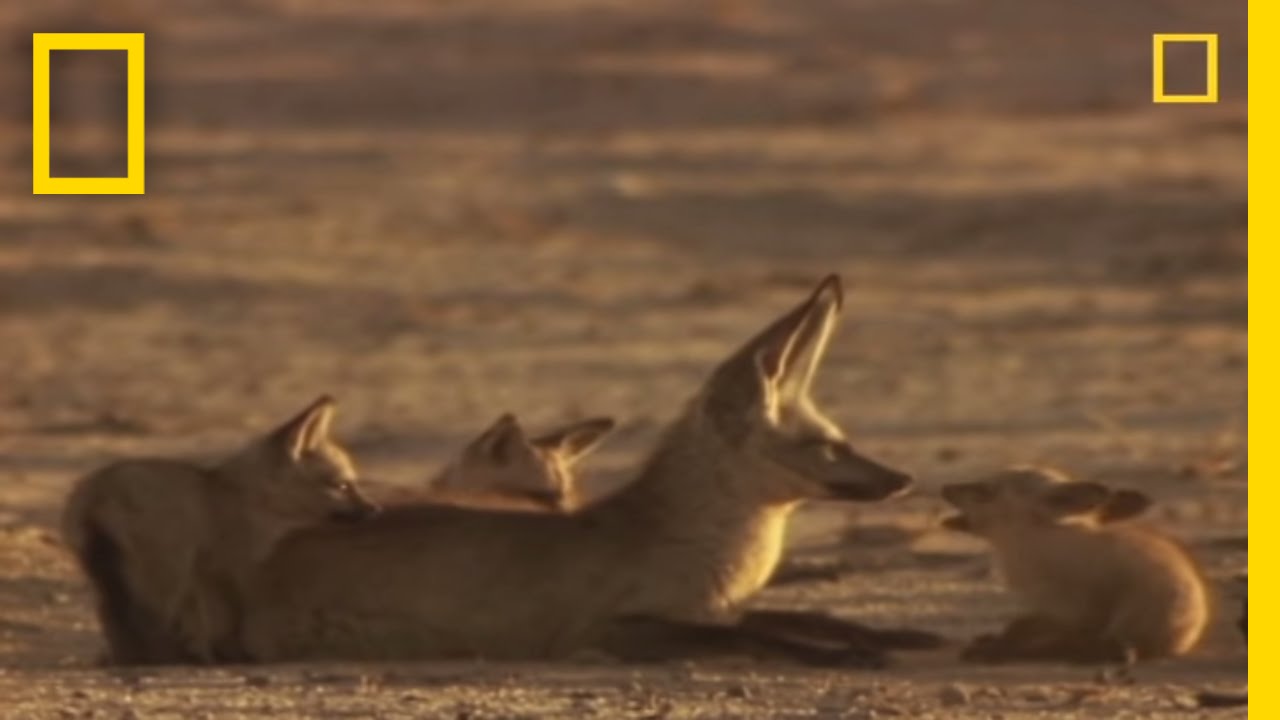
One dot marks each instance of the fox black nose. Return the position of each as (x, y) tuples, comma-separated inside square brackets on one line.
[(898, 482), (546, 498), (888, 481), (358, 509)]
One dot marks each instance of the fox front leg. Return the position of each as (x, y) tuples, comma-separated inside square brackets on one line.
[(1087, 650), (204, 618), (826, 628), (192, 626), (651, 639), (1036, 638), (1027, 637)]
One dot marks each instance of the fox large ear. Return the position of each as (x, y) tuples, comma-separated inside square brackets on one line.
[(307, 430), (574, 441), (809, 344), (786, 352), (1076, 498), (1124, 505), (500, 441)]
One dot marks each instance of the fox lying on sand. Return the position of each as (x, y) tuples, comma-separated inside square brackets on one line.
[(1096, 589), (659, 569), (167, 544), (504, 468)]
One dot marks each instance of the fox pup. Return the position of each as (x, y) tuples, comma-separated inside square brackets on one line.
[(1096, 588), (503, 467), (167, 544)]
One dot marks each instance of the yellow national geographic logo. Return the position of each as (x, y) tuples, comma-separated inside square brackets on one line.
[(1158, 42), (133, 182)]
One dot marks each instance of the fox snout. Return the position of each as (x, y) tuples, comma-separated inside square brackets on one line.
[(957, 495), (962, 495), (868, 481), (954, 493)]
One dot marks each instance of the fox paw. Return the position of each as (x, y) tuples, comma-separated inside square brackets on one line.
[(986, 649), (865, 659), (860, 658), (908, 639)]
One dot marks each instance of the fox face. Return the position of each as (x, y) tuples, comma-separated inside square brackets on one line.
[(1030, 497), (759, 400), (1120, 506), (504, 462), (299, 472), (562, 448)]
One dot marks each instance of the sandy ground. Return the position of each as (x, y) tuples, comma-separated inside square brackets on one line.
[(440, 211)]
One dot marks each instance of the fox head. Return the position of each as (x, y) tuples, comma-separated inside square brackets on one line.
[(1036, 497), (504, 463), (297, 472), (759, 401)]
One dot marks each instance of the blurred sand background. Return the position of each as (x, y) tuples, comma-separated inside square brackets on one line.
[(439, 211)]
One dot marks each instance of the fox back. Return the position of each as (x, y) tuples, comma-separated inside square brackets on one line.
[(694, 535), (125, 524)]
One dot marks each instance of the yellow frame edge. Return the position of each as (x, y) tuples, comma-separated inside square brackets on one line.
[(1262, 392), (1158, 41), (134, 181)]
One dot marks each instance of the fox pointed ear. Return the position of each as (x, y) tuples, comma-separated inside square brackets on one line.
[(1076, 498), (1124, 505), (788, 351), (307, 430), (498, 443), (574, 441), (809, 344)]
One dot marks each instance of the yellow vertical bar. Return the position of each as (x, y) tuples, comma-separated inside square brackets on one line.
[(1157, 68), (39, 112), (1211, 82), (1262, 357), (136, 125)]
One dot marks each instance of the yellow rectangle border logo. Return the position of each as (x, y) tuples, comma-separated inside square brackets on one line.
[(134, 181), (1158, 42)]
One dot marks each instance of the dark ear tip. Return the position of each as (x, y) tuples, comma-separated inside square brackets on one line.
[(507, 422), (832, 285), (324, 400), (1124, 504), (504, 427), (602, 424)]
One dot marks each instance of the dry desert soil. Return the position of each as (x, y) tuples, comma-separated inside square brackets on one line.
[(441, 211)]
